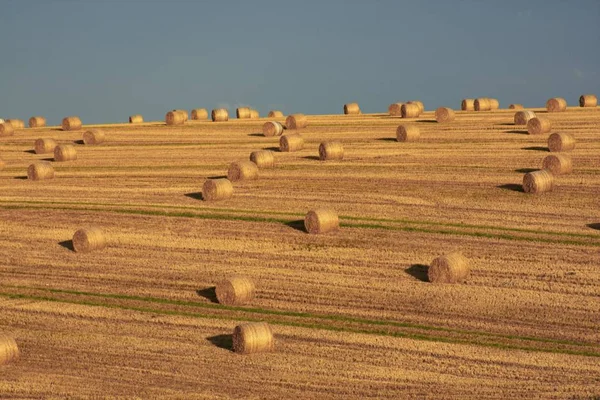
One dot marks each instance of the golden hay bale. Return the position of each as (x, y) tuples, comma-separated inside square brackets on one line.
[(16, 123), (558, 142), (296, 121), (93, 136), (272, 128), (9, 351), (494, 104), (556, 104), (409, 110), (538, 181), (444, 114), (254, 114), (220, 115), (89, 239), (217, 189), (235, 291), (467, 105), (515, 106), (482, 104), (138, 119), (40, 170), (275, 114), (263, 158), (538, 126), (418, 103), (558, 164), (185, 114), (588, 100), (72, 123), (523, 117), (242, 170), (321, 220), (351, 109), (37, 122), (6, 129), (242, 112), (174, 118), (451, 268), (43, 146), (289, 143), (407, 133), (331, 151), (199, 114), (65, 152), (395, 109), (253, 337)]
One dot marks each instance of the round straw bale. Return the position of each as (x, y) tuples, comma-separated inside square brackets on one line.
[(289, 143), (275, 114), (538, 126), (16, 123), (138, 119), (254, 114), (220, 115), (263, 158), (444, 114), (199, 114), (217, 189), (89, 239), (235, 291), (40, 170), (65, 152), (395, 109), (43, 146), (242, 170), (482, 104), (556, 104), (321, 220), (538, 181), (242, 112), (515, 106), (494, 104), (1, 121), (351, 109), (296, 121), (588, 100), (6, 129), (93, 136), (467, 105), (37, 122), (174, 118), (272, 128), (407, 133), (9, 351), (558, 164), (72, 123), (331, 151), (185, 114), (523, 117), (451, 268), (253, 337), (409, 110), (420, 104), (558, 142)]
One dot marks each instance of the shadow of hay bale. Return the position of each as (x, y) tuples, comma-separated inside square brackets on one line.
[(515, 187), (67, 244), (208, 293), (222, 341), (418, 271), (297, 225)]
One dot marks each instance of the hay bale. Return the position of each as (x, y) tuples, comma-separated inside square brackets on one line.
[(253, 337), (93, 136), (9, 351), (235, 291), (409, 110), (217, 189), (467, 105), (558, 164), (296, 121), (482, 104), (242, 112), (538, 126), (220, 115), (275, 114), (65, 152), (16, 123), (40, 170), (89, 239), (351, 109), (44, 146), (558, 142), (6, 129), (331, 151), (444, 114), (199, 114), (1, 121), (185, 114), (289, 143), (321, 220), (37, 122), (272, 128), (2, 164), (451, 268), (523, 117), (138, 119), (494, 104), (538, 181), (174, 118), (254, 114), (395, 109), (588, 100), (263, 158), (72, 123), (407, 133), (515, 106), (418, 103), (242, 170), (556, 104)]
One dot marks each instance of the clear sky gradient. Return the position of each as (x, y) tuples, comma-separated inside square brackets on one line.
[(106, 60)]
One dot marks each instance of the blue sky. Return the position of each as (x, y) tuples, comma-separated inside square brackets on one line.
[(106, 60)]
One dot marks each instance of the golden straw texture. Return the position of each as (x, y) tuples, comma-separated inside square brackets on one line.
[(332, 150), (409, 110), (253, 337), (351, 109), (242, 112), (16, 123), (296, 121), (272, 128), (137, 119), (467, 105), (72, 123), (93, 136), (242, 170), (199, 114), (451, 268), (174, 118), (37, 122), (65, 152), (321, 220), (407, 133), (558, 142), (292, 142), (482, 104), (418, 103), (275, 114), (6, 129), (9, 351), (556, 104), (217, 189), (263, 158), (588, 100), (395, 109), (538, 181), (44, 146), (558, 164), (515, 106), (538, 126), (40, 170), (444, 114), (235, 291), (254, 114), (89, 239), (220, 115), (523, 117)]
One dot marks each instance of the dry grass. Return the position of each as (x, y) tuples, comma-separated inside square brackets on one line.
[(331, 150), (235, 291), (538, 181), (242, 171), (44, 146), (89, 239), (65, 152), (451, 268), (72, 123), (321, 220), (37, 122)]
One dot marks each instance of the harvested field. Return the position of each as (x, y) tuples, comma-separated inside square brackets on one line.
[(352, 312)]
